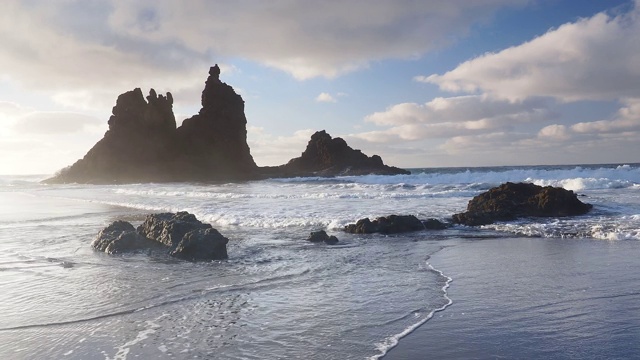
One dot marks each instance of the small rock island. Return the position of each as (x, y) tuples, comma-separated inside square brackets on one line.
[(144, 144), (327, 156), (511, 201)]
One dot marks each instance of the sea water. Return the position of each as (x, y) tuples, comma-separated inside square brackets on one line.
[(279, 296)]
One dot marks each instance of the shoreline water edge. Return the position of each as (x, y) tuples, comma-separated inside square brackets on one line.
[(370, 296)]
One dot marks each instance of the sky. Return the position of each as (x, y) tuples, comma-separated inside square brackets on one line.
[(431, 83)]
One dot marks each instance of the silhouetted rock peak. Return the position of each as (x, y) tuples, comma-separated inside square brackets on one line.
[(218, 96), (327, 156), (220, 127), (214, 71), (133, 113), (143, 143)]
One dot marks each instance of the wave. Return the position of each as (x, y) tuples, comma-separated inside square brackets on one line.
[(426, 183), (571, 178), (613, 229), (21, 180), (47, 220), (374, 192), (392, 341)]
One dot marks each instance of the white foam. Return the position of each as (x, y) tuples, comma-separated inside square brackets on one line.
[(124, 349), (614, 234), (577, 178), (392, 341), (577, 184)]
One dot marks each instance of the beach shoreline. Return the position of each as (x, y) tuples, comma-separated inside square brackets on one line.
[(552, 302), (533, 288)]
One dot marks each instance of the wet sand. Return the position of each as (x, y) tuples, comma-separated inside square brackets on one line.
[(533, 298)]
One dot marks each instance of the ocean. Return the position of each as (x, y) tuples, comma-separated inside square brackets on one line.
[(564, 288)]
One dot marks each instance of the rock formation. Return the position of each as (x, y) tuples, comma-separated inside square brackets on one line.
[(214, 142), (120, 237), (321, 236), (393, 224), (327, 156), (510, 201), (143, 143), (181, 235)]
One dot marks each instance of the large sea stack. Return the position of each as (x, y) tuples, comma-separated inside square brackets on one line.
[(144, 145), (327, 156), (214, 142)]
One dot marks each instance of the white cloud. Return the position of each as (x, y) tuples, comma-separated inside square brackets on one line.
[(627, 119), (10, 110), (42, 142), (51, 123), (271, 150), (554, 132), (597, 58), (325, 97), (602, 141), (492, 142), (113, 44), (455, 116)]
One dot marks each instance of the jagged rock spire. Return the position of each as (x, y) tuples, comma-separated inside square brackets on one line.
[(214, 72)]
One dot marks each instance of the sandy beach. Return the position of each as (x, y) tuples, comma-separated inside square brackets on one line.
[(533, 298)]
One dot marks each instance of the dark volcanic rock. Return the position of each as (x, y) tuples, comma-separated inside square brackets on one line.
[(327, 156), (118, 237), (169, 228), (181, 234), (510, 201), (321, 236), (201, 244), (110, 233), (136, 146), (434, 224), (386, 225), (214, 142), (143, 143)]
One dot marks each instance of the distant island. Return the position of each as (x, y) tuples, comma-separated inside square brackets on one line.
[(144, 144)]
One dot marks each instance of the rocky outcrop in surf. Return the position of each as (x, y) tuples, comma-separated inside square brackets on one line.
[(511, 201), (121, 237), (322, 236), (144, 145), (181, 235), (327, 156), (393, 224)]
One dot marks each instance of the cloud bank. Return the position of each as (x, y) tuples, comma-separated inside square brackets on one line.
[(597, 58), (514, 112), (74, 44), (455, 116)]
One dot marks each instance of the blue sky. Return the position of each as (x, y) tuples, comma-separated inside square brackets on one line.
[(423, 84)]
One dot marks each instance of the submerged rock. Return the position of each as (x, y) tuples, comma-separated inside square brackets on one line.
[(510, 201), (327, 156), (321, 236), (434, 224), (181, 235), (393, 224)]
